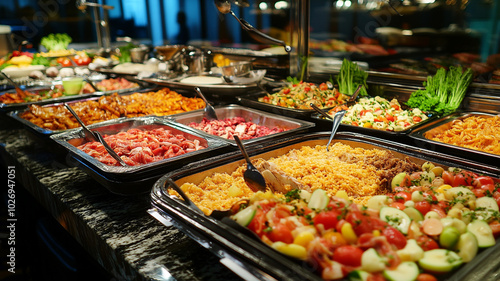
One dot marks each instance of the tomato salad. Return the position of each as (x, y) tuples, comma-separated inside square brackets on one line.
[(431, 222), (381, 114), (301, 95)]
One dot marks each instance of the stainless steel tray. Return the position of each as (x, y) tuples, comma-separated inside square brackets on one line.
[(133, 179), (17, 106), (221, 89), (253, 102), (41, 132), (421, 138), (258, 117), (256, 258)]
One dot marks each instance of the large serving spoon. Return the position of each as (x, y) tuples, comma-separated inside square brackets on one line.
[(209, 111), (19, 91), (96, 136), (253, 178), (337, 118), (224, 7)]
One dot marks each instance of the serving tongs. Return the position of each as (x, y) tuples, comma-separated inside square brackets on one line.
[(337, 118), (19, 91), (224, 7), (96, 136)]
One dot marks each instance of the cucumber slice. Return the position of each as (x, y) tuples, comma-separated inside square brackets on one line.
[(245, 216), (483, 233), (371, 261), (467, 246), (398, 179), (440, 260), (456, 223), (486, 207), (396, 218), (377, 202), (406, 271), (358, 275), (414, 214), (319, 200)]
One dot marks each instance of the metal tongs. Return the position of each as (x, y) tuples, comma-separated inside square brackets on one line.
[(19, 91), (96, 136)]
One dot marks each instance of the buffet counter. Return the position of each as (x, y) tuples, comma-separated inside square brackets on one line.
[(116, 231)]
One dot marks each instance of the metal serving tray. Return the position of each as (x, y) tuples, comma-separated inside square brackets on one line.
[(221, 89), (326, 124), (258, 117), (253, 102), (421, 138), (44, 133), (17, 106), (252, 256), (133, 179)]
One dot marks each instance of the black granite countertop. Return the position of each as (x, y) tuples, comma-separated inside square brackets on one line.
[(117, 231)]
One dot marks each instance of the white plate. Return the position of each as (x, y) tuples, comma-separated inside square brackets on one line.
[(202, 80), (17, 72)]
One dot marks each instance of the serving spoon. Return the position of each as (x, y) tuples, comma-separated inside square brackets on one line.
[(253, 178), (209, 111), (96, 136), (224, 7)]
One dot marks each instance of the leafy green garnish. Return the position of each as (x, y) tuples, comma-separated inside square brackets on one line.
[(350, 77), (39, 60), (56, 41), (443, 92), (125, 52)]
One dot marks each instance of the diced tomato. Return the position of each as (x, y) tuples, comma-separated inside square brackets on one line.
[(448, 177), (426, 277), (438, 210), (323, 86), (427, 243), (395, 237), (258, 221), (423, 207), (82, 60), (328, 219), (479, 192), (363, 223), (355, 124), (463, 178), (389, 117), (266, 99), (307, 89), (364, 111), (417, 119), (348, 255), (280, 232), (286, 91)]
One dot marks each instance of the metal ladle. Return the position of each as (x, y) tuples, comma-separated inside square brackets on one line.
[(209, 111), (337, 118), (96, 136), (253, 178), (224, 7)]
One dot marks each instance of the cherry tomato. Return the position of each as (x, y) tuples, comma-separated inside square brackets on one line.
[(417, 119), (423, 207), (280, 232), (448, 177), (438, 209), (464, 178), (426, 277), (495, 227), (395, 237), (327, 219), (427, 243), (363, 223), (402, 196), (348, 255), (323, 86), (64, 62), (398, 205), (395, 106), (82, 60), (479, 192), (490, 187), (482, 180)]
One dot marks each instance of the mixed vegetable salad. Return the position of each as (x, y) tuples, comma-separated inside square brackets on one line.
[(381, 114), (430, 223), (301, 94)]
